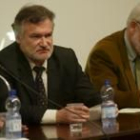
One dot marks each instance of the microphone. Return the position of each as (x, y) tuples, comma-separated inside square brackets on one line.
[(54, 103), (6, 83)]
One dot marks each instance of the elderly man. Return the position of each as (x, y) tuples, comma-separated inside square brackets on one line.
[(117, 57)]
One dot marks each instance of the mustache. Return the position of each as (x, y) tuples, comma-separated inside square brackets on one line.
[(41, 47)]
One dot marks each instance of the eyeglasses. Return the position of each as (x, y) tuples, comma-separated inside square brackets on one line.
[(138, 23)]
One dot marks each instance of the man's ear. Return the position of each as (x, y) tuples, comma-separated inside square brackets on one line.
[(132, 26), (18, 38)]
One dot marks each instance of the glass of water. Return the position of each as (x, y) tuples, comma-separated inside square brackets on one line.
[(75, 127)]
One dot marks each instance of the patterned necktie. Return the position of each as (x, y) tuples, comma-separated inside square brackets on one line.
[(137, 71), (42, 97)]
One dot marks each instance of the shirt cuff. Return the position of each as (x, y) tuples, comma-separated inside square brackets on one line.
[(49, 117)]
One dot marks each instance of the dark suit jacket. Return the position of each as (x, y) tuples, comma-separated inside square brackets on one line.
[(66, 82), (109, 60)]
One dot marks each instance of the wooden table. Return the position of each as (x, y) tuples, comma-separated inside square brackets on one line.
[(126, 128)]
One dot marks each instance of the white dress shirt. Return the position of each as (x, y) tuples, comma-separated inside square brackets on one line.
[(50, 114)]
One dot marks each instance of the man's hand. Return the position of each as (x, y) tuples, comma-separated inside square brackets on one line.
[(73, 114)]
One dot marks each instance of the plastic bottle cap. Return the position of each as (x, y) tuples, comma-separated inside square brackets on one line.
[(12, 92), (107, 82)]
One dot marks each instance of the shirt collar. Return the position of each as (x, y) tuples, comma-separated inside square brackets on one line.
[(32, 65), (131, 53)]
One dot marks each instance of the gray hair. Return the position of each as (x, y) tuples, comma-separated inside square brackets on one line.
[(33, 14), (134, 14)]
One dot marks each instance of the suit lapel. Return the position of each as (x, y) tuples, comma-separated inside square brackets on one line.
[(126, 65), (25, 75), (53, 70)]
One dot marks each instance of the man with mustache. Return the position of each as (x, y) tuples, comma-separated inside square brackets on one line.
[(63, 78)]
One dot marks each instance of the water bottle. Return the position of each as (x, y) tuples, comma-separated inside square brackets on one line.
[(108, 107), (13, 117)]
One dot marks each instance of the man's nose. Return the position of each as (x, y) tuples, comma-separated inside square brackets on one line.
[(44, 41)]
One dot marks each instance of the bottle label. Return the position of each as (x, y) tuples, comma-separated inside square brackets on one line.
[(108, 112), (14, 125)]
